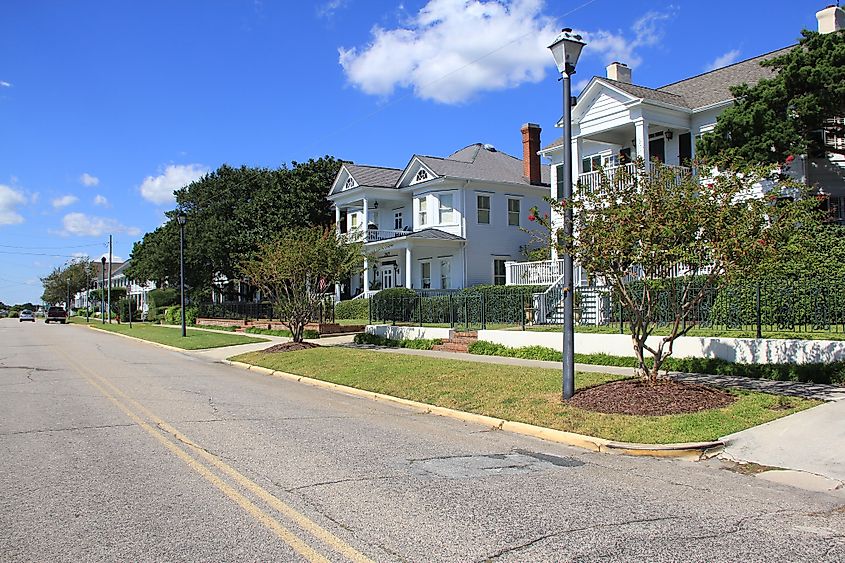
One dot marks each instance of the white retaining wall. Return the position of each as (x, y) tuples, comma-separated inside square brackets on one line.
[(741, 350)]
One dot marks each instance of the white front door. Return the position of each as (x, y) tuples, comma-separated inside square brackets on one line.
[(387, 277)]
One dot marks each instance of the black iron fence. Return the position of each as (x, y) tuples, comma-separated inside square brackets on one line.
[(323, 311), (756, 308)]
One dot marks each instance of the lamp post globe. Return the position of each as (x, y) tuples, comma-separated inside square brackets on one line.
[(566, 48), (181, 219)]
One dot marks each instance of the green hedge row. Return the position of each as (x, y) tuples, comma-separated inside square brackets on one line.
[(307, 334), (352, 309), (374, 339), (832, 373)]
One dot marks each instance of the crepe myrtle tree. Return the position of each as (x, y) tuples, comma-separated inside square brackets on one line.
[(297, 268), (663, 240)]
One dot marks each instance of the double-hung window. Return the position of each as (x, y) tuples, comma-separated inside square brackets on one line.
[(397, 220), (447, 209), (591, 163), (483, 207), (423, 210), (445, 273), (513, 211)]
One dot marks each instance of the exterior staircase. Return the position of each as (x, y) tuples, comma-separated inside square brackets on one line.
[(459, 341)]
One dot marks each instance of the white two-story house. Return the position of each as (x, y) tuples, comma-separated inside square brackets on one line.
[(616, 121), (441, 223)]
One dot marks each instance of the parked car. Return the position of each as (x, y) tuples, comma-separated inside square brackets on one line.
[(26, 315), (57, 314)]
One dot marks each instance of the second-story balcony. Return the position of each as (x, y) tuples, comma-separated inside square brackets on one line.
[(377, 235), (592, 180)]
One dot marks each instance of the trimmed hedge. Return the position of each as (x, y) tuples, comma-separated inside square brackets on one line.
[(307, 334), (352, 309), (376, 340), (832, 373)]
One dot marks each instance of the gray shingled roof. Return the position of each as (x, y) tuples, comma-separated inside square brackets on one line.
[(715, 86), (433, 234), (702, 90), (375, 176), (475, 162)]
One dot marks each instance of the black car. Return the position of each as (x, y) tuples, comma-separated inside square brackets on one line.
[(57, 314)]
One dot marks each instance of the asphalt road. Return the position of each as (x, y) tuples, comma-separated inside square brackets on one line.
[(112, 449)]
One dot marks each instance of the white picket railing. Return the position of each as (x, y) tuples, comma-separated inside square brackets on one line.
[(592, 180), (542, 272)]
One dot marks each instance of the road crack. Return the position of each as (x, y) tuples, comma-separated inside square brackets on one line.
[(337, 481), (68, 429), (528, 544)]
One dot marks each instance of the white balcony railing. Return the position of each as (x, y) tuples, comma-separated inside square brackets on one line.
[(543, 272), (374, 235), (592, 180)]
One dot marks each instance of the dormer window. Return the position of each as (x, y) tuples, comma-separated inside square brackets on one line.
[(421, 176), (350, 183)]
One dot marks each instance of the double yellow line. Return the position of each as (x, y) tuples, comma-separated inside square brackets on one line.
[(202, 462)]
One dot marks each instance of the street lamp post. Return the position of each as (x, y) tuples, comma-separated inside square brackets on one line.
[(68, 296), (181, 218), (103, 290), (566, 48)]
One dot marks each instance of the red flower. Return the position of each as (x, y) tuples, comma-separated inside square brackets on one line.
[(789, 159), (531, 217)]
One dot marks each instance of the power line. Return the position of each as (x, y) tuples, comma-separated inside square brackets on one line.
[(41, 254), (52, 247)]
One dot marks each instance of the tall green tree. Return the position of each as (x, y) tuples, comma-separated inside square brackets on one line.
[(784, 115), (229, 213), (298, 267), (75, 276)]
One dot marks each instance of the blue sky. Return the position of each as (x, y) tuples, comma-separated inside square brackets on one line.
[(106, 107)]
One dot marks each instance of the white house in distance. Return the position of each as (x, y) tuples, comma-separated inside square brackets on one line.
[(441, 223), (616, 121)]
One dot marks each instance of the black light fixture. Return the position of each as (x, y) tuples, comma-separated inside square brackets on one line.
[(375, 205), (181, 219)]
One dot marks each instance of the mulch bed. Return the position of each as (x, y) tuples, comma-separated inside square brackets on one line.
[(663, 397), (290, 347)]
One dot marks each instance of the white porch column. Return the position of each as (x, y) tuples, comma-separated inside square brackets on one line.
[(366, 272), (337, 218), (576, 162), (408, 268), (366, 213), (641, 128)]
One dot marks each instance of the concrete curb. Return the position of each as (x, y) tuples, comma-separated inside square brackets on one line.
[(167, 346), (691, 450)]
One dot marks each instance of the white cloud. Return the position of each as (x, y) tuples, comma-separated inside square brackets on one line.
[(82, 225), (4, 84), (159, 189), (618, 46), (9, 201), (87, 179), (101, 200), (114, 258), (723, 60), (452, 49), (64, 201)]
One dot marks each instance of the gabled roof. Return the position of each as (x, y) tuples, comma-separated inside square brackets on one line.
[(375, 176), (698, 91), (482, 162), (715, 86), (432, 234)]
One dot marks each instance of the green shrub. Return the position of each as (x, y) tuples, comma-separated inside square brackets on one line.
[(173, 315), (376, 340), (352, 309), (307, 334), (123, 307), (163, 297), (191, 314), (14, 315)]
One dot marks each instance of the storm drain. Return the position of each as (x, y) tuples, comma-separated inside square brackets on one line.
[(470, 466)]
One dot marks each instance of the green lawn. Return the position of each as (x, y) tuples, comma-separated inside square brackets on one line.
[(519, 394), (195, 339)]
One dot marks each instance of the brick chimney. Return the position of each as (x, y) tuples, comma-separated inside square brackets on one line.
[(530, 148), (619, 72), (831, 19)]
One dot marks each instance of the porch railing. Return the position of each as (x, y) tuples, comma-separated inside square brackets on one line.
[(542, 272), (592, 180), (376, 235)]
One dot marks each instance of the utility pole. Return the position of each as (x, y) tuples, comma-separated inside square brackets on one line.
[(109, 296)]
